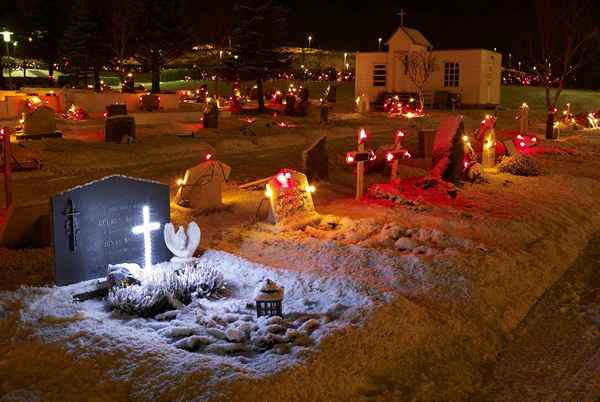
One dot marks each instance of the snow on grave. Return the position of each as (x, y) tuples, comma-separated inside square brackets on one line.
[(201, 186), (110, 221), (37, 124), (290, 198), (217, 330)]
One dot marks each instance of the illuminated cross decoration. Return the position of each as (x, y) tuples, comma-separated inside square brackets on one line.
[(146, 228), (360, 157), (401, 14)]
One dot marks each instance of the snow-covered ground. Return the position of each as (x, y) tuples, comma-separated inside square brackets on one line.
[(413, 302), (220, 338)]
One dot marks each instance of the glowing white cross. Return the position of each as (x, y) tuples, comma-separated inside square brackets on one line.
[(146, 228)]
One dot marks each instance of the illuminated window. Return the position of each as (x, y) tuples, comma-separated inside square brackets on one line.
[(451, 74), (379, 75)]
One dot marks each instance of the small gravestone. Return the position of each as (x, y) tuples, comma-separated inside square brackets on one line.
[(39, 123), (363, 104), (331, 93), (303, 94), (315, 160), (211, 114), (448, 150), (114, 220), (202, 186), (290, 104), (119, 129), (290, 199), (426, 140), (150, 102), (116, 109)]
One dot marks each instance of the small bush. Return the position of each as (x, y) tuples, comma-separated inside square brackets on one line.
[(160, 284), (519, 165)]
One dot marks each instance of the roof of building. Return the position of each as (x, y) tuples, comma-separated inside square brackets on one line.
[(414, 35)]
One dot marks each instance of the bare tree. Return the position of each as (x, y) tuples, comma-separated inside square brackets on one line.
[(419, 67), (567, 34)]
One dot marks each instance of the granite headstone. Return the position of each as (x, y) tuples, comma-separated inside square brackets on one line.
[(92, 226)]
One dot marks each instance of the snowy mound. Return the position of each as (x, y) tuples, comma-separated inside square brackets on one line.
[(220, 336)]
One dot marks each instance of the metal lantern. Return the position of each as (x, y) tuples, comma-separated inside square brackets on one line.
[(269, 298)]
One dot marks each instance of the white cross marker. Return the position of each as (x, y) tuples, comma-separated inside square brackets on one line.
[(146, 228)]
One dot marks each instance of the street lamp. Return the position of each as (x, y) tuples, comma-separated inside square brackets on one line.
[(6, 37), (379, 41), (309, 40)]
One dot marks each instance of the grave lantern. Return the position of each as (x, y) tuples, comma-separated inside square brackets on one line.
[(269, 298)]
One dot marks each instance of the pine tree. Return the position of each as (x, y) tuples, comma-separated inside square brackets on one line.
[(164, 34), (258, 33), (74, 44)]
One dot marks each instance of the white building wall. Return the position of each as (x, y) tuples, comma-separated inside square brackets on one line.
[(479, 76)]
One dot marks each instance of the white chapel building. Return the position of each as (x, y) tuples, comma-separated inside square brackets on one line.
[(473, 73)]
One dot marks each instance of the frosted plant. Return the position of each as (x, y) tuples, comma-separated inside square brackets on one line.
[(160, 285)]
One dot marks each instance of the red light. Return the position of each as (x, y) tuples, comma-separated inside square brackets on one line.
[(1, 131), (533, 139), (407, 155), (372, 156), (349, 158), (105, 114), (519, 137), (522, 144), (362, 135), (208, 157), (389, 156), (140, 98), (466, 164), (400, 133)]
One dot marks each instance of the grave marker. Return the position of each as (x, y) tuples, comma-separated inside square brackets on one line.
[(93, 226), (524, 119), (119, 129), (315, 160), (448, 150), (39, 123), (202, 185), (290, 197)]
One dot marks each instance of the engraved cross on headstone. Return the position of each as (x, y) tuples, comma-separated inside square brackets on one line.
[(71, 228)]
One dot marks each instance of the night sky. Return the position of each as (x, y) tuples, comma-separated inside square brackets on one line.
[(467, 24)]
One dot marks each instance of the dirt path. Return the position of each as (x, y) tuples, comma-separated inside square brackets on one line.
[(555, 354)]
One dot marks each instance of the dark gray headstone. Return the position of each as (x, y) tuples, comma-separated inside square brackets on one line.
[(315, 160), (119, 128), (332, 93), (150, 102), (116, 109), (92, 226)]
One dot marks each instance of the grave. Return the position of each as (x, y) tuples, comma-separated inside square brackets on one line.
[(150, 102), (119, 129), (448, 150), (37, 124), (315, 160), (363, 104), (201, 187), (114, 220), (331, 94), (290, 198), (211, 114), (116, 109)]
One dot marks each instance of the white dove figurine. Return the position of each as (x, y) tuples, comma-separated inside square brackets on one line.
[(182, 244)]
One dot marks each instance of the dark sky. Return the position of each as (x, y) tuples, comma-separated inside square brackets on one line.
[(451, 24)]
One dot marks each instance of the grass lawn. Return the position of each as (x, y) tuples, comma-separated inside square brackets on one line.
[(581, 100)]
